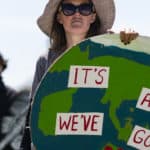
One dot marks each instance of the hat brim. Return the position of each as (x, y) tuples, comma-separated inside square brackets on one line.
[(105, 10)]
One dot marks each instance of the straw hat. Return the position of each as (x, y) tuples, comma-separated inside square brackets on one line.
[(105, 10)]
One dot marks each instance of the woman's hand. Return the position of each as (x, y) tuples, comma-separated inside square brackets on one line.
[(127, 37)]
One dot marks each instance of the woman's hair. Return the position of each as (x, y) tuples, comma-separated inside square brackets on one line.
[(57, 36), (3, 62)]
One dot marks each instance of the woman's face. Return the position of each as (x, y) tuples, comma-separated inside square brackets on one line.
[(76, 24)]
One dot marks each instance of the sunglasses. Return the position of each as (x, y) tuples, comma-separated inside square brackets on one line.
[(84, 9)]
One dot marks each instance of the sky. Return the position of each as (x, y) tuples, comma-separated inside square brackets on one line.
[(22, 42)]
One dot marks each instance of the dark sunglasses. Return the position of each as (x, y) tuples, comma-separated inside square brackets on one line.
[(84, 9)]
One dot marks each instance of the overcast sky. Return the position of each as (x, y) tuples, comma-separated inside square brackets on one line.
[(21, 42)]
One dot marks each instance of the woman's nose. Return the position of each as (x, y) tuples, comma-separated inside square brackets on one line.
[(77, 13)]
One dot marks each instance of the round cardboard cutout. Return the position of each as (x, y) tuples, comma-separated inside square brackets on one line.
[(96, 96)]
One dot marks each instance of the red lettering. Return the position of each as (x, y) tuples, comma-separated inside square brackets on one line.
[(147, 144), (101, 76), (135, 137), (74, 122), (76, 76), (146, 99), (94, 123), (86, 121), (86, 74), (64, 124)]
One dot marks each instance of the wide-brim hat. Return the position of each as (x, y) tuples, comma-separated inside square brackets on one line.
[(105, 10)]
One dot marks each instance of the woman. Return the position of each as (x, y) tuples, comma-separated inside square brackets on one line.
[(68, 22)]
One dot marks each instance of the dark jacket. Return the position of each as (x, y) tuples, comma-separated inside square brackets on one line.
[(7, 97)]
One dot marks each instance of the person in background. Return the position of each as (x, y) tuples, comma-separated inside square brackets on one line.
[(7, 97), (66, 23), (12, 112)]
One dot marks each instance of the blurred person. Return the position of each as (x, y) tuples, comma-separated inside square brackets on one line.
[(7, 96), (12, 112)]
